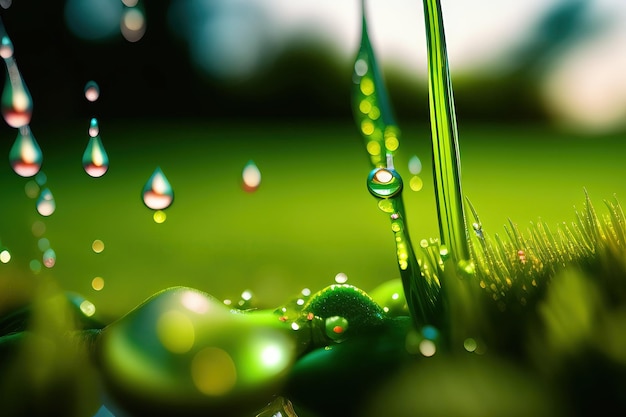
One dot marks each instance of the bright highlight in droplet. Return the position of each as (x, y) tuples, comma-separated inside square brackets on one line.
[(195, 302), (157, 192), (97, 246), (97, 283), (251, 177), (5, 256), (271, 356)]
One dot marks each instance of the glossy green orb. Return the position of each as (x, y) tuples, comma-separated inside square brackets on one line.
[(384, 183), (390, 296), (184, 352)]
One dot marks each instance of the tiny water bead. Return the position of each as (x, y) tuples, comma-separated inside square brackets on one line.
[(46, 203), (341, 278), (158, 193), (384, 183), (25, 155), (94, 128), (251, 177), (92, 91), (95, 158), (16, 104)]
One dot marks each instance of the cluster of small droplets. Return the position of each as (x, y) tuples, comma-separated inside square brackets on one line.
[(95, 158)]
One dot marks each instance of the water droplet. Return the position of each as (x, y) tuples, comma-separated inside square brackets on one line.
[(341, 278), (17, 103), (336, 327), (95, 158), (443, 252), (478, 229), (94, 129), (25, 154), (88, 308), (92, 91), (157, 193), (6, 47), (251, 177), (5, 256), (416, 183), (49, 258), (384, 183), (46, 204), (415, 165)]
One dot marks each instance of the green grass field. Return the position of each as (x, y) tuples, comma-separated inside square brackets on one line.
[(311, 218)]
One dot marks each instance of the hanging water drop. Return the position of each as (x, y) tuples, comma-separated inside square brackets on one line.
[(95, 158), (251, 177), (415, 165), (6, 47), (384, 183), (25, 155), (17, 103), (157, 193), (49, 258), (94, 129), (46, 204), (92, 91)]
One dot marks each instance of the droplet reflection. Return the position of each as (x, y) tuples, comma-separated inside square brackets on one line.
[(157, 192)]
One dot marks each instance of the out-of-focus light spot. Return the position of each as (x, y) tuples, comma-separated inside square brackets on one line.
[(271, 356), (341, 278), (88, 308), (195, 302), (416, 183), (213, 371), (295, 326), (5, 256), (92, 91), (469, 344), (49, 258), (159, 216), (395, 296), (415, 165), (251, 177), (367, 127), (95, 20), (31, 189), (38, 228), (46, 204), (43, 244), (246, 295), (427, 348), (306, 292), (367, 86), (41, 178), (35, 266), (133, 25), (97, 246), (6, 3), (228, 302), (103, 412), (373, 147), (175, 331), (6, 47), (360, 67), (300, 301), (97, 283), (130, 3)]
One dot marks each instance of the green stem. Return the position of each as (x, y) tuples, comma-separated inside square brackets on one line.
[(446, 162)]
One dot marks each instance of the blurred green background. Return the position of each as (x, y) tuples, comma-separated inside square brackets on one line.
[(523, 157)]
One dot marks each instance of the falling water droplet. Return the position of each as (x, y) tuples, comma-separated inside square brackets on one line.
[(49, 258), (92, 91), (415, 165), (17, 103), (94, 129), (158, 193), (46, 204), (95, 158), (384, 183), (25, 154), (6, 47), (251, 177)]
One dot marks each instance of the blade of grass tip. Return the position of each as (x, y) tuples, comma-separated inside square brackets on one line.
[(446, 162), (373, 115)]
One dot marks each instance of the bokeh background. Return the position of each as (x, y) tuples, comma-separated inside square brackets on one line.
[(202, 87)]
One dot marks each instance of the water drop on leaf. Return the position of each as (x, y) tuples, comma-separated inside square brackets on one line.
[(25, 155), (384, 183), (157, 193)]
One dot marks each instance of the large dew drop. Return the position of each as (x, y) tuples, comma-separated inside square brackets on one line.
[(25, 154), (251, 177), (46, 204), (16, 103), (384, 183), (95, 158), (158, 194)]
